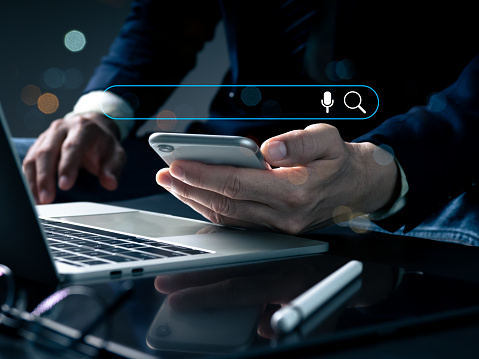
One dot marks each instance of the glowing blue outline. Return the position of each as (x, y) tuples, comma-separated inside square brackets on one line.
[(243, 118)]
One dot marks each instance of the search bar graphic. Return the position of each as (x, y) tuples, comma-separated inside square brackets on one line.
[(259, 102)]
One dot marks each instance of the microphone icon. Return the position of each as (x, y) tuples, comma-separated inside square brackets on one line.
[(327, 101)]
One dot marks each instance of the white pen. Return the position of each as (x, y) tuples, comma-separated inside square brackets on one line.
[(301, 307)]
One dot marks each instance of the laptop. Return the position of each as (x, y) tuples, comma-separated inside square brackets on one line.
[(85, 241)]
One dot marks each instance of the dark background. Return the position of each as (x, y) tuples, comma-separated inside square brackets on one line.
[(32, 42)]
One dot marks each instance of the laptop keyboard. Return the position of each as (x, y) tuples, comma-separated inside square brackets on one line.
[(82, 246)]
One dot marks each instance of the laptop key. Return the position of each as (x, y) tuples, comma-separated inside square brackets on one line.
[(115, 242), (75, 249), (118, 259), (144, 256), (61, 246), (193, 251), (162, 252), (85, 235), (95, 245), (54, 236), (95, 253), (59, 254), (61, 260), (119, 250), (163, 245), (131, 245), (73, 258), (140, 240)]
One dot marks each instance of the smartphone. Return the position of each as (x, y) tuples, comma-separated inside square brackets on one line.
[(219, 330), (210, 149)]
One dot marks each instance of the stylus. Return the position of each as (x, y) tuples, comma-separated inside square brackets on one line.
[(300, 308)]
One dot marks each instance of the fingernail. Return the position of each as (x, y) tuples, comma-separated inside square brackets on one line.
[(177, 172), (63, 182), (164, 181), (277, 150), (44, 196)]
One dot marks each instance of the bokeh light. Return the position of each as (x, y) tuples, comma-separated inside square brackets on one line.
[(75, 41), (330, 71), (383, 155), (342, 215), (271, 108), (48, 103), (166, 120), (251, 96), (298, 175), (360, 223), (345, 69), (340, 70), (54, 78), (437, 102), (30, 95)]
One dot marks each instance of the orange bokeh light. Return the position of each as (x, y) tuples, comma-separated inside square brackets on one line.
[(30, 95), (48, 103)]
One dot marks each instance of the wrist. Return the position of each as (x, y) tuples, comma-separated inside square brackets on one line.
[(106, 103), (377, 176), (101, 120)]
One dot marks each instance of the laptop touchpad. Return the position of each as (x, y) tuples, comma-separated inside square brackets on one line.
[(147, 224)]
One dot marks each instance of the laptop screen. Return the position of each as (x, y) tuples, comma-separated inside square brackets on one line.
[(22, 244)]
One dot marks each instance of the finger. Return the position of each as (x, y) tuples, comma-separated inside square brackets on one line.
[(29, 168), (221, 219), (111, 170), (213, 216), (163, 178), (46, 154), (221, 209), (30, 174), (301, 147), (73, 151), (235, 183), (285, 194)]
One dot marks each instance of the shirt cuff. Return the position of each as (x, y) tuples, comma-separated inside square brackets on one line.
[(106, 103), (398, 204)]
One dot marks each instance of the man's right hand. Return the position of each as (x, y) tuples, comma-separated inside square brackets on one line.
[(89, 141)]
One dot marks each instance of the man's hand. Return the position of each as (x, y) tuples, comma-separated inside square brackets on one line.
[(317, 174), (88, 141)]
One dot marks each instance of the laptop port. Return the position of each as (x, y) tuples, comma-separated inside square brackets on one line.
[(137, 271)]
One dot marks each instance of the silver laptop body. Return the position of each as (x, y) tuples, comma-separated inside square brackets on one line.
[(149, 242)]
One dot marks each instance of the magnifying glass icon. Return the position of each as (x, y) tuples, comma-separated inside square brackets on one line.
[(359, 103)]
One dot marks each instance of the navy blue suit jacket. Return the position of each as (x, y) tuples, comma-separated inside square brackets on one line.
[(405, 50)]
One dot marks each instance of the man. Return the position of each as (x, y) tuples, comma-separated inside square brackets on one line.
[(274, 42)]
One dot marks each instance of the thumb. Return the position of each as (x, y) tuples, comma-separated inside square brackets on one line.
[(300, 147)]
